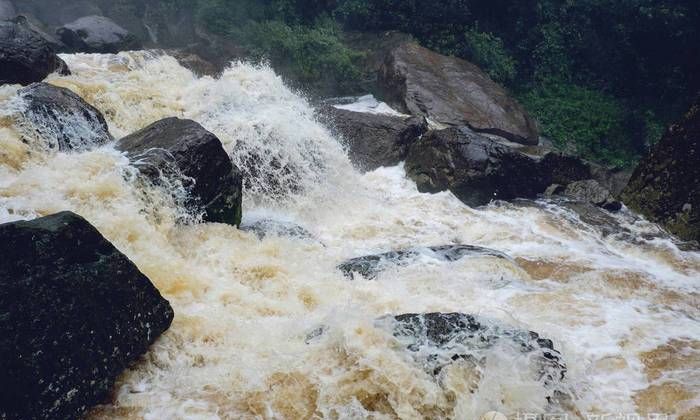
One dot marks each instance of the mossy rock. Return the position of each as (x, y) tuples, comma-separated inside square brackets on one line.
[(665, 187)]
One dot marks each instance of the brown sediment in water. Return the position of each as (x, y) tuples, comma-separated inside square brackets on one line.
[(13, 152), (244, 307), (287, 395), (676, 355), (666, 398), (632, 284), (690, 414), (611, 363), (574, 311), (679, 358), (560, 271), (109, 412)]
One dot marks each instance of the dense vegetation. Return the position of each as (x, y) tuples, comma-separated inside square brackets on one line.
[(602, 76)]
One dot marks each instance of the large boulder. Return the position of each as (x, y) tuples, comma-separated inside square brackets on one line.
[(369, 266), (475, 168), (74, 313), (96, 34), (174, 147), (34, 25), (61, 119), (374, 139), (665, 186), (452, 92), (590, 191), (479, 169), (26, 57)]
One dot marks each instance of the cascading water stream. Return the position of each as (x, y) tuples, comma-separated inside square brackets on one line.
[(622, 309)]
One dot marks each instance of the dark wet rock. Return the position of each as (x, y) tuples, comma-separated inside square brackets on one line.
[(452, 92), (613, 179), (564, 169), (182, 150), (592, 192), (369, 266), (7, 10), (25, 57), (437, 340), (479, 169), (266, 227), (31, 23), (74, 313), (554, 189), (475, 168), (96, 34), (665, 186), (61, 118), (374, 140)]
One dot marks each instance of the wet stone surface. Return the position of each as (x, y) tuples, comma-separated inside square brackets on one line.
[(369, 266)]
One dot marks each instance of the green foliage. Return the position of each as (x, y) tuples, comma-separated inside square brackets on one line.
[(225, 17), (652, 128), (628, 66), (550, 56), (573, 115), (488, 51), (310, 54)]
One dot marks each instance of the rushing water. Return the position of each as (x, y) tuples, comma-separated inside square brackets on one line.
[(623, 308)]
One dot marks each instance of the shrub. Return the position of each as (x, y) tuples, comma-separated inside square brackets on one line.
[(588, 120), (311, 55), (488, 51)]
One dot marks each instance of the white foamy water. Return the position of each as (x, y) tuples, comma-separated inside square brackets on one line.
[(623, 310), (370, 104)]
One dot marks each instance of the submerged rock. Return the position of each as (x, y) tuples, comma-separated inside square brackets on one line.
[(375, 140), (61, 118), (26, 57), (265, 227), (183, 151), (370, 266), (665, 186), (437, 340), (74, 313), (96, 34), (452, 92)]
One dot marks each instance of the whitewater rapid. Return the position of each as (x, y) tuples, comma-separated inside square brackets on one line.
[(622, 309)]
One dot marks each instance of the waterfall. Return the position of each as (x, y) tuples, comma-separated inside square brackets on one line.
[(244, 342)]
